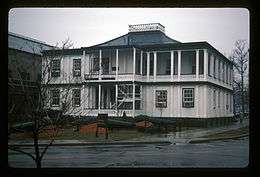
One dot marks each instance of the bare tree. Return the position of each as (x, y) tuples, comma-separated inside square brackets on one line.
[(38, 114), (240, 56)]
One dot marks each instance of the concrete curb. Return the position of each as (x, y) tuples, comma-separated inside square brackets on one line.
[(204, 140), (96, 143)]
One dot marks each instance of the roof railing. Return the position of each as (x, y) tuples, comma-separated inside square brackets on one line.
[(147, 27)]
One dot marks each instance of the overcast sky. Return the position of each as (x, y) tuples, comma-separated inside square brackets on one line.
[(220, 27)]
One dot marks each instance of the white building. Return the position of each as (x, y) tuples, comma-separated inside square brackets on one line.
[(169, 78)]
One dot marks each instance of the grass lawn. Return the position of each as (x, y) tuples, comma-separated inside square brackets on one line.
[(228, 133)]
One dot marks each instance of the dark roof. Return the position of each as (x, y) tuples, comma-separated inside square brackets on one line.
[(76, 51), (138, 38), (183, 46), (165, 46), (26, 44)]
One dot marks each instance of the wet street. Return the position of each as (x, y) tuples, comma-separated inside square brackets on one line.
[(227, 153)]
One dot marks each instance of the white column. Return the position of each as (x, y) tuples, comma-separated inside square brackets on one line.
[(148, 65), (141, 63), (116, 64), (180, 100), (100, 62), (99, 97), (134, 57), (197, 100), (154, 65), (133, 100), (116, 99), (171, 98), (205, 64), (205, 100), (197, 64), (172, 60), (179, 64)]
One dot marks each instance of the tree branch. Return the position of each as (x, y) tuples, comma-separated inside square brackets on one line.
[(21, 151)]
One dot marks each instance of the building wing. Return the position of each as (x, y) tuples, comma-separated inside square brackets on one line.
[(26, 44), (143, 34)]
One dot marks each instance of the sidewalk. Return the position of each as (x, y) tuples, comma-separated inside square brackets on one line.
[(186, 136)]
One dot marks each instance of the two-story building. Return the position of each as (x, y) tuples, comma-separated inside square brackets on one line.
[(24, 72), (145, 72)]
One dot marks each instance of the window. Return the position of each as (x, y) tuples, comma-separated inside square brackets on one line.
[(161, 98), (137, 91), (55, 97), (95, 66), (76, 97), (168, 66), (188, 62), (188, 97), (55, 68), (76, 67), (105, 65), (214, 99), (201, 61)]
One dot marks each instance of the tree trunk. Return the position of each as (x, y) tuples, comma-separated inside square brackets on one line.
[(36, 149), (242, 95)]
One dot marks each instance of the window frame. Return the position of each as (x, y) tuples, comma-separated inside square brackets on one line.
[(78, 97), (161, 98), (77, 69), (185, 104), (55, 72), (56, 97)]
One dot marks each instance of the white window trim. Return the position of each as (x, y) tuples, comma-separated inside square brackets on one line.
[(56, 70), (184, 97), (157, 102)]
